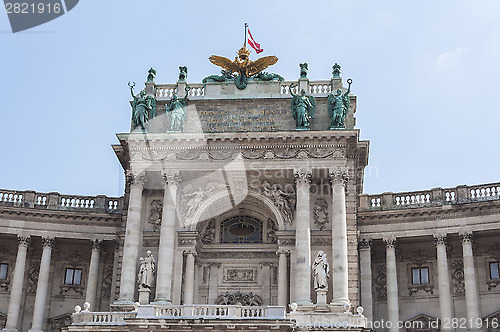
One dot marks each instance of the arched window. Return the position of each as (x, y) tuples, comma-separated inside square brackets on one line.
[(241, 229)]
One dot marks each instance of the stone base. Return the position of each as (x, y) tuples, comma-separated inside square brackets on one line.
[(144, 295), (123, 305), (302, 128), (321, 298), (337, 128), (9, 330)]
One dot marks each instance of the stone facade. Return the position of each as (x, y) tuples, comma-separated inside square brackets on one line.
[(234, 210)]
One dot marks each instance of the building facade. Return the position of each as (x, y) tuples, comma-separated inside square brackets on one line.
[(229, 203)]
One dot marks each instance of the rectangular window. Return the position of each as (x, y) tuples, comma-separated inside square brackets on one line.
[(495, 270), (420, 275), (73, 276), (3, 271)]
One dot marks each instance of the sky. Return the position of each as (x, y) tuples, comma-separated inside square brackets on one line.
[(425, 73)]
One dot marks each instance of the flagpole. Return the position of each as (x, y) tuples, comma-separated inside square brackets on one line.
[(245, 43)]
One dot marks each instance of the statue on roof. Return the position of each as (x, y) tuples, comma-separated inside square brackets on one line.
[(143, 107), (183, 73), (151, 75), (338, 105), (242, 68), (336, 70), (177, 111), (303, 109), (304, 67)]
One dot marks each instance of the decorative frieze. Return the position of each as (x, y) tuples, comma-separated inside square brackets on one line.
[(239, 275)]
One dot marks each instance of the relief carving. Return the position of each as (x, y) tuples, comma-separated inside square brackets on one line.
[(281, 199), (191, 199), (381, 282), (238, 275), (208, 236), (457, 276), (239, 298), (320, 213), (271, 232), (155, 214)]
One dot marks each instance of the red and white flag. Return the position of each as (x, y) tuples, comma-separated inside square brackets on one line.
[(251, 42)]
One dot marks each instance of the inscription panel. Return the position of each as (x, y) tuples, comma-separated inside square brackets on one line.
[(240, 275)]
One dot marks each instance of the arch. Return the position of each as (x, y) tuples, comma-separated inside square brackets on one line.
[(224, 195)]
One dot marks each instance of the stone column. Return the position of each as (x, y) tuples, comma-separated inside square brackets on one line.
[(471, 295), (189, 277), (443, 281), (16, 288), (91, 292), (213, 286), (282, 277), (42, 285), (265, 283), (132, 238), (303, 238), (392, 283), (338, 179), (167, 239), (365, 266)]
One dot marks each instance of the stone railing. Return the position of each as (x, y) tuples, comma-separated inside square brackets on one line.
[(101, 318), (56, 201), (210, 312), (316, 88), (433, 197), (167, 91)]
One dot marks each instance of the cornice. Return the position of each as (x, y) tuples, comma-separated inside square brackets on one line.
[(54, 215), (456, 211)]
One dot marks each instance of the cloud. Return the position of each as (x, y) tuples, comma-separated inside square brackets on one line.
[(448, 60)]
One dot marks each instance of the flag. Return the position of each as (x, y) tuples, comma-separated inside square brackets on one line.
[(252, 43)]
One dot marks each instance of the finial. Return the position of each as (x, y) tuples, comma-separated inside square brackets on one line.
[(336, 70)]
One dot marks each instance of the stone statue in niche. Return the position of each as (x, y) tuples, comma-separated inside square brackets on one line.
[(338, 106), (146, 271), (280, 199), (321, 271), (143, 107), (177, 110), (303, 109)]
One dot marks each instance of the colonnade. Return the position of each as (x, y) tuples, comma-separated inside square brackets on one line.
[(43, 283), (444, 288)]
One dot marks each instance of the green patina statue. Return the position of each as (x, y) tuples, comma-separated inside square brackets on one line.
[(304, 67), (338, 106), (303, 109), (151, 75), (336, 70), (183, 73), (265, 76), (143, 108), (177, 111), (225, 76)]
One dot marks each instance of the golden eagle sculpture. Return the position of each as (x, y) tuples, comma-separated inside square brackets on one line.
[(242, 68)]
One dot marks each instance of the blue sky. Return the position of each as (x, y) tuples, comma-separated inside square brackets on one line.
[(426, 74)]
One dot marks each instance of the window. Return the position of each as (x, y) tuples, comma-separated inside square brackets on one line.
[(495, 270), (420, 275), (3, 271), (73, 276), (241, 230)]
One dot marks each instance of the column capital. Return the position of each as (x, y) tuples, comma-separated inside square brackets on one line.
[(24, 240), (190, 252), (390, 242), (338, 176), (283, 252), (302, 175), (440, 239), (217, 265), (365, 244), (135, 179), (48, 242), (466, 237), (171, 177), (96, 244), (266, 264)]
